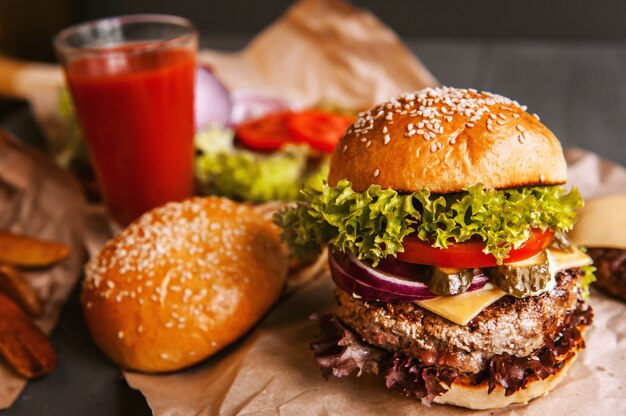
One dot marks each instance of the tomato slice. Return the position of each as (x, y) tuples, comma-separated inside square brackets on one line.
[(319, 129), (267, 133), (469, 253)]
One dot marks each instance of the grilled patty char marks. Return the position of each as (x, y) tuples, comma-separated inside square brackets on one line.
[(510, 325)]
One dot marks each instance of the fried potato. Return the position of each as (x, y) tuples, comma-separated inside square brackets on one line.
[(24, 251), (22, 344), (13, 284)]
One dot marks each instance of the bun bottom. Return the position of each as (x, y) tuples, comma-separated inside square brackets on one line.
[(475, 396)]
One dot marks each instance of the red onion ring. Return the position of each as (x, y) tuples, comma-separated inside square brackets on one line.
[(248, 105), (213, 102), (354, 277)]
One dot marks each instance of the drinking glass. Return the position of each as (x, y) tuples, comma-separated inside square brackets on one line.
[(132, 83)]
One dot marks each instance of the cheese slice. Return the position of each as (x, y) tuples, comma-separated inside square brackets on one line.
[(461, 309), (562, 260), (602, 223)]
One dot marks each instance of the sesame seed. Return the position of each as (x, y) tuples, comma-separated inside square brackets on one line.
[(432, 108), (536, 116), (386, 139), (368, 144), (452, 141), (345, 147), (500, 122), (519, 128), (376, 173), (490, 127), (433, 147), (470, 125), (521, 139), (515, 115)]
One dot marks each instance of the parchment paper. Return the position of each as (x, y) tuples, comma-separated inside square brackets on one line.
[(37, 198)]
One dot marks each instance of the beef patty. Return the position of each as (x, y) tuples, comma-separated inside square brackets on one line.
[(510, 325), (611, 270)]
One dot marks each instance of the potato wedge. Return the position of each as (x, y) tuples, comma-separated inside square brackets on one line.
[(13, 284), (22, 344), (20, 250)]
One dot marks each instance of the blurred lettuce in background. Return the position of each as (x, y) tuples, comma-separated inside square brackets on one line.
[(223, 169)]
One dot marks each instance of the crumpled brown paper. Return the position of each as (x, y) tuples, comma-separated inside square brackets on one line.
[(37, 198)]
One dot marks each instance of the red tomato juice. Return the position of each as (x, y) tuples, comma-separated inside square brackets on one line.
[(136, 112)]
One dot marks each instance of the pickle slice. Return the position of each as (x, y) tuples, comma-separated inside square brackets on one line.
[(447, 281), (522, 279)]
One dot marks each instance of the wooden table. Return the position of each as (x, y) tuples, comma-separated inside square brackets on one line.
[(578, 89)]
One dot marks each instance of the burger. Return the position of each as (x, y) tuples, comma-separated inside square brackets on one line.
[(445, 224)]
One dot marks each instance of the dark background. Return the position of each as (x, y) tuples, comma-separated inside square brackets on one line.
[(26, 26)]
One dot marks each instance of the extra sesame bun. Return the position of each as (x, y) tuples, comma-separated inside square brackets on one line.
[(476, 396), (181, 282), (446, 139)]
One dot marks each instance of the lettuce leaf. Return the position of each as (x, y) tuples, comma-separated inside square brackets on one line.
[(372, 224), (587, 280), (239, 174)]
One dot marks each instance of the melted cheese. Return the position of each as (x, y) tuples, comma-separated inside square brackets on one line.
[(562, 260), (461, 309), (602, 223)]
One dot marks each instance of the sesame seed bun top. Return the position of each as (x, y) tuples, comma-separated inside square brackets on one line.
[(181, 282), (446, 139)]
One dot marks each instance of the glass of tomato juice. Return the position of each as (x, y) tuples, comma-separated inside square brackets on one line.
[(132, 82)]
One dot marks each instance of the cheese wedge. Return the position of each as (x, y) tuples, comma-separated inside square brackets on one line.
[(461, 309), (602, 223)]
